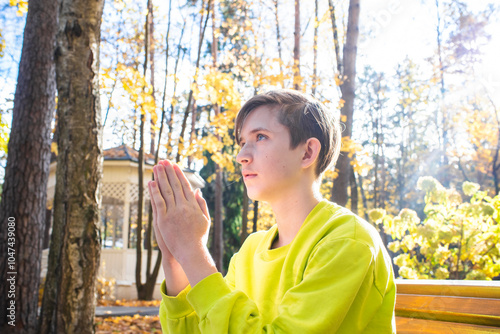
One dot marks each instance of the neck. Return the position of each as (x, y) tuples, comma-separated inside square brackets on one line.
[(291, 211)]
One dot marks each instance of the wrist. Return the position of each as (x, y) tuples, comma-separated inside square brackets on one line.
[(198, 264)]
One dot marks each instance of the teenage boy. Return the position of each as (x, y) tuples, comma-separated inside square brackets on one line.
[(320, 269)]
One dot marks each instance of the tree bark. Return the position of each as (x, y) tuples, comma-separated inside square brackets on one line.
[(315, 49), (278, 36), (174, 94), (335, 37), (244, 217), (443, 175), (354, 191), (203, 26), (140, 208), (151, 29), (69, 297), (255, 215), (347, 88), (145, 290), (296, 48), (219, 205), (163, 107), (495, 168), (24, 197), (363, 197)]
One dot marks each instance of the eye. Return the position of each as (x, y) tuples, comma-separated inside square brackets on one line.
[(260, 136)]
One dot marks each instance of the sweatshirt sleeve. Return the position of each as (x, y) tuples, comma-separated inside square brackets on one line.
[(337, 277), (176, 313)]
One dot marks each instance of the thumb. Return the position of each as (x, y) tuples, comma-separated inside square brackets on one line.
[(201, 202)]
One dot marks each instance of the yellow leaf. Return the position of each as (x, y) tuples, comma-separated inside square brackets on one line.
[(53, 148)]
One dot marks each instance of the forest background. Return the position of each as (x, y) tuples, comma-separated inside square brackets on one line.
[(421, 141), (427, 90)]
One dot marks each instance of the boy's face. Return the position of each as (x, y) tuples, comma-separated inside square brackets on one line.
[(270, 168)]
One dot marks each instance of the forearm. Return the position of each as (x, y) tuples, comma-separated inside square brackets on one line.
[(198, 264), (175, 278)]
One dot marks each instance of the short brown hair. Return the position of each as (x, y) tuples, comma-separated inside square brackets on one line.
[(305, 118)]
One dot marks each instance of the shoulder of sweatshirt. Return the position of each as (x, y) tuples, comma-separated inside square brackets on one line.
[(334, 222)]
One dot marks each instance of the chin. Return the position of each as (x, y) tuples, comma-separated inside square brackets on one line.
[(258, 195), (254, 195)]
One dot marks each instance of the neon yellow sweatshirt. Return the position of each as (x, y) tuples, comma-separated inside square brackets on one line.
[(334, 277)]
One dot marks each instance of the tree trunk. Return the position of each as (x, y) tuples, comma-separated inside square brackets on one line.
[(347, 88), (335, 38), (163, 108), (174, 94), (151, 29), (203, 26), (140, 208), (244, 217), (296, 48), (69, 297), (315, 49), (24, 197), (443, 175), (255, 215), (145, 290), (383, 180), (354, 191), (278, 36), (495, 168), (192, 136), (218, 221), (151, 278), (218, 218), (363, 197)]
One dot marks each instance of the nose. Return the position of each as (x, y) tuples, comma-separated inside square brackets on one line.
[(244, 156)]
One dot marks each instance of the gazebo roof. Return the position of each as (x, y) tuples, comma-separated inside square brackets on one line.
[(127, 153), (124, 152)]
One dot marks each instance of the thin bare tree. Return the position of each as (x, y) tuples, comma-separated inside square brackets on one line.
[(296, 48), (346, 72)]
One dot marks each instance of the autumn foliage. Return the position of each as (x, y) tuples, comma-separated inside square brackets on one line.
[(457, 239)]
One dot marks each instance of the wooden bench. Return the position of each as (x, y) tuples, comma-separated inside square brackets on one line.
[(447, 306)]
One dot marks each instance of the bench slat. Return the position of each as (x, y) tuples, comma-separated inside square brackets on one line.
[(480, 311), (478, 289), (414, 326)]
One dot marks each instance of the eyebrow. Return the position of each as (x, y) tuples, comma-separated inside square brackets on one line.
[(259, 129)]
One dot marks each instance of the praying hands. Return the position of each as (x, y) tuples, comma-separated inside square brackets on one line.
[(181, 222)]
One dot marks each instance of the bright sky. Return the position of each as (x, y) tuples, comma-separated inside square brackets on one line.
[(408, 28), (399, 28)]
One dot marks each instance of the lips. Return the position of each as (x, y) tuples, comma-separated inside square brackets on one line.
[(248, 175)]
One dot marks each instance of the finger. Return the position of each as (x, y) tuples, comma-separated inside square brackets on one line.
[(155, 216), (202, 203), (174, 182), (186, 186), (159, 238), (153, 206), (164, 185), (157, 198)]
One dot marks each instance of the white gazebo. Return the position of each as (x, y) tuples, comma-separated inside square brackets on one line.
[(119, 216)]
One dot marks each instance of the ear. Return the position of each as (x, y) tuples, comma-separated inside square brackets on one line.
[(311, 151)]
